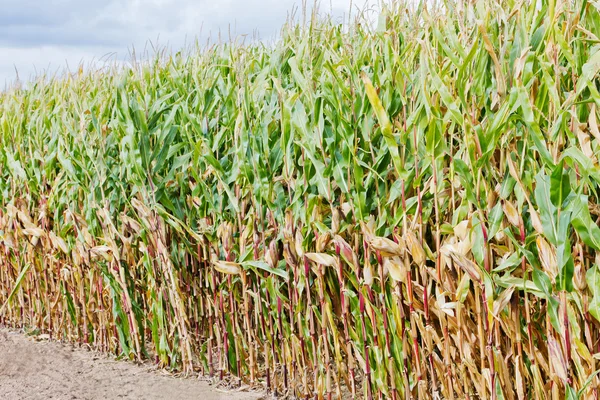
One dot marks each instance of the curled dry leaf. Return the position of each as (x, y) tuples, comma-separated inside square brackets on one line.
[(288, 226), (585, 144), (461, 230), (502, 300), (579, 277), (511, 213), (335, 220), (131, 224), (35, 232), (368, 274), (500, 235), (87, 237), (346, 252), (24, 218), (141, 208), (289, 253), (322, 259), (227, 267), (386, 247), (512, 168), (11, 210), (464, 246), (322, 242), (443, 305), (415, 248), (225, 233), (547, 254), (519, 378), (102, 251), (462, 291), (557, 359), (368, 228), (65, 272), (346, 208), (396, 267), (465, 264), (535, 220), (58, 242), (583, 351), (298, 244)]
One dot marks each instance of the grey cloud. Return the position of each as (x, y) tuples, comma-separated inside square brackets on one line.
[(46, 34), (81, 23), (42, 13), (118, 22), (36, 35)]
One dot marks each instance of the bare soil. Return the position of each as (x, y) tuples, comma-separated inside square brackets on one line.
[(34, 369)]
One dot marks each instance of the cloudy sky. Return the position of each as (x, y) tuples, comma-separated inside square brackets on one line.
[(38, 35)]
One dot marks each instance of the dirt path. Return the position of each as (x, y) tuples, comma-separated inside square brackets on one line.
[(37, 370)]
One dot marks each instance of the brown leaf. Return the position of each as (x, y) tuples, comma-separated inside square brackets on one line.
[(465, 264), (511, 213), (584, 143), (461, 230), (547, 254), (519, 378), (502, 300), (415, 248), (322, 259), (227, 267), (396, 268), (535, 220), (386, 247), (557, 359)]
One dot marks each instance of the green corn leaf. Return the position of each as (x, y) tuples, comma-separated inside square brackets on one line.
[(586, 228), (384, 122), (542, 281), (265, 267), (564, 257), (16, 286), (548, 212), (560, 186), (592, 277)]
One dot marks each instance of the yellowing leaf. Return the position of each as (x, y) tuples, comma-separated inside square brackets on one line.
[(322, 259), (386, 247), (227, 267)]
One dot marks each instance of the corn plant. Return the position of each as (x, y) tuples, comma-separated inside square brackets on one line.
[(405, 209)]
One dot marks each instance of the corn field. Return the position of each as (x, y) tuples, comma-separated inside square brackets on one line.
[(404, 209)]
